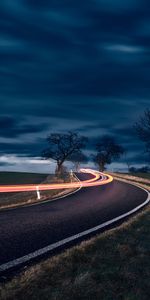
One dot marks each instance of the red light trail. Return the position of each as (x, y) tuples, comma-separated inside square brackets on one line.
[(97, 179)]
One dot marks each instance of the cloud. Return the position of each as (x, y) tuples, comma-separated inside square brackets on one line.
[(60, 51), (119, 6), (124, 48), (26, 164), (72, 65), (11, 128)]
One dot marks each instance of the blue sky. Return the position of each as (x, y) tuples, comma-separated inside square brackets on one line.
[(71, 65)]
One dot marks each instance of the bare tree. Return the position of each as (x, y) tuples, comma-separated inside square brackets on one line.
[(101, 160), (127, 161), (107, 150), (62, 147), (142, 127), (77, 159)]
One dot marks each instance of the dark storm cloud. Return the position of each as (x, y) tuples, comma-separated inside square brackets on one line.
[(26, 149), (4, 164), (66, 48), (11, 128), (81, 61)]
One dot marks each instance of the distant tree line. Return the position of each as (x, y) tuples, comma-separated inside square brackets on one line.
[(144, 169), (70, 146)]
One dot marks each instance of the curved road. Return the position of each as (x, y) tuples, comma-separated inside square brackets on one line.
[(27, 229)]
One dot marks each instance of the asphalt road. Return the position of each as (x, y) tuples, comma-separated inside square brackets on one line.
[(24, 230)]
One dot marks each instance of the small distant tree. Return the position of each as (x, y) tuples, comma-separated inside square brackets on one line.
[(107, 150), (142, 127), (62, 147), (144, 169), (132, 170), (127, 161), (77, 159)]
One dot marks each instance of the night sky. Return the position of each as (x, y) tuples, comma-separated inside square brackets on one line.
[(71, 65)]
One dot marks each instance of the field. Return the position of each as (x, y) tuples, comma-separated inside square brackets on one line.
[(140, 175), (112, 266), (21, 178), (8, 200)]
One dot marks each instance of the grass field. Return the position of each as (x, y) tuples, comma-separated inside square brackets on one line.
[(141, 175), (8, 200), (144, 180), (144, 175), (112, 266), (21, 178)]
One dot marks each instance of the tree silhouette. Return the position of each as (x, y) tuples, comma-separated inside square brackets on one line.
[(142, 127), (107, 150), (78, 158), (63, 147)]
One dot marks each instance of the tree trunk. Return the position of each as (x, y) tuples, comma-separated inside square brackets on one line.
[(58, 170), (77, 166), (101, 167)]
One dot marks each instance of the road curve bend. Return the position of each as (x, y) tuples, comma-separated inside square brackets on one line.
[(29, 232), (96, 178)]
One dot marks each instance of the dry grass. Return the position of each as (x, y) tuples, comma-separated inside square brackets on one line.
[(112, 266), (145, 183), (134, 177)]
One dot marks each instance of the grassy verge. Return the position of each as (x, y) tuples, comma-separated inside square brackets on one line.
[(139, 175), (143, 181), (8, 200), (112, 266)]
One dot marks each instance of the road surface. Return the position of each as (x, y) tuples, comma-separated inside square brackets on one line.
[(25, 230)]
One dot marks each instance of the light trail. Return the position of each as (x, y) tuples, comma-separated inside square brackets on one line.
[(98, 179)]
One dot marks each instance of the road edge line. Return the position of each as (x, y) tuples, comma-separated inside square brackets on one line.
[(42, 251)]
